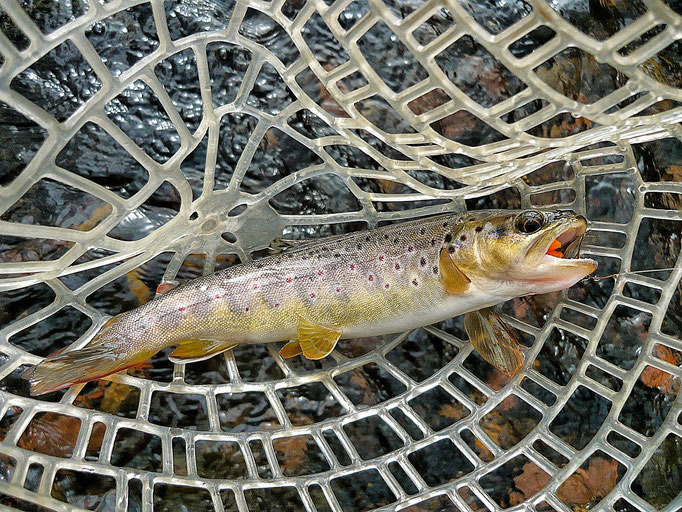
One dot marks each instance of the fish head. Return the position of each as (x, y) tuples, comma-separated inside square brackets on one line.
[(522, 253)]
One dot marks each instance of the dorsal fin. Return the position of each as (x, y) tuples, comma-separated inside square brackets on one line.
[(289, 245), (284, 244)]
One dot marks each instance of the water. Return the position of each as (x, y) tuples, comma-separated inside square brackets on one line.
[(212, 417)]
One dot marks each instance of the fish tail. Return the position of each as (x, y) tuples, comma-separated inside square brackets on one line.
[(61, 370)]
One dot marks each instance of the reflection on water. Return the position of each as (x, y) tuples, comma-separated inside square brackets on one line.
[(62, 81)]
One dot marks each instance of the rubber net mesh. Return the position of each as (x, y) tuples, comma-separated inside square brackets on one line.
[(155, 140)]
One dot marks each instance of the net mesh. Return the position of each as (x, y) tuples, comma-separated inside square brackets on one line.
[(155, 140)]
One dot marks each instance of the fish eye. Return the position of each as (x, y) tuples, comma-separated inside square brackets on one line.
[(529, 222)]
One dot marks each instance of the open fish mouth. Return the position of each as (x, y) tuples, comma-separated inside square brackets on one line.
[(567, 245), (555, 255), (560, 245)]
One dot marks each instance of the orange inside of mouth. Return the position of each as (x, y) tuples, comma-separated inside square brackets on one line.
[(554, 249)]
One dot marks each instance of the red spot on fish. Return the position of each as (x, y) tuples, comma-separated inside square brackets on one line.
[(319, 272), (312, 295), (410, 248), (255, 286), (338, 290), (397, 266), (415, 282), (277, 304), (247, 309), (217, 296), (371, 277), (150, 319), (387, 286), (352, 266), (288, 279), (381, 258), (181, 308)]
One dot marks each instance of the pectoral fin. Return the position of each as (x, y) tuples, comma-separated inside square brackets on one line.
[(454, 280), (192, 351), (494, 340), (316, 341), (291, 349)]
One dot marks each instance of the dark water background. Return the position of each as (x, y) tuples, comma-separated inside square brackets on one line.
[(62, 81)]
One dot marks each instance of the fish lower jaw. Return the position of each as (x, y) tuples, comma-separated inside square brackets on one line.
[(570, 265), (554, 274)]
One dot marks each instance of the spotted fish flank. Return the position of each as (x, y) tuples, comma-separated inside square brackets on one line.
[(387, 280)]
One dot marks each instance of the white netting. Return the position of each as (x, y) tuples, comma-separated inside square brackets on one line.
[(149, 140)]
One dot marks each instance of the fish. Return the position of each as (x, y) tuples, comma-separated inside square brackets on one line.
[(368, 283)]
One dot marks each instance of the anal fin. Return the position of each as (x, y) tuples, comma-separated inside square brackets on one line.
[(291, 349), (494, 340), (454, 280), (192, 351), (316, 341)]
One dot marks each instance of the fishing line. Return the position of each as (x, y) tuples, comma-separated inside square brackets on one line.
[(600, 278)]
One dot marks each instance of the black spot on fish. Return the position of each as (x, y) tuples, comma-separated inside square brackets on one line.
[(448, 238), (367, 238), (479, 229), (386, 236), (396, 241), (337, 255), (423, 262), (422, 231), (451, 249), (435, 270), (499, 232), (359, 246), (445, 224), (463, 238), (415, 282)]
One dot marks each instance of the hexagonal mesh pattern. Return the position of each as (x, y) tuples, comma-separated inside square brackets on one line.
[(152, 140)]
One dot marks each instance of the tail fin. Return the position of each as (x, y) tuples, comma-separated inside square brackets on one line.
[(61, 370)]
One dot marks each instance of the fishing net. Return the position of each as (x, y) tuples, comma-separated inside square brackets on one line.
[(144, 141)]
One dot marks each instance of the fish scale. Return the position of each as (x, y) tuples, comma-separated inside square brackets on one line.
[(386, 280), (342, 283)]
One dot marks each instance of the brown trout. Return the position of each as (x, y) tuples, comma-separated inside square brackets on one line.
[(386, 280)]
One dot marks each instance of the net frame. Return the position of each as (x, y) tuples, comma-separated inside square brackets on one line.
[(502, 163)]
